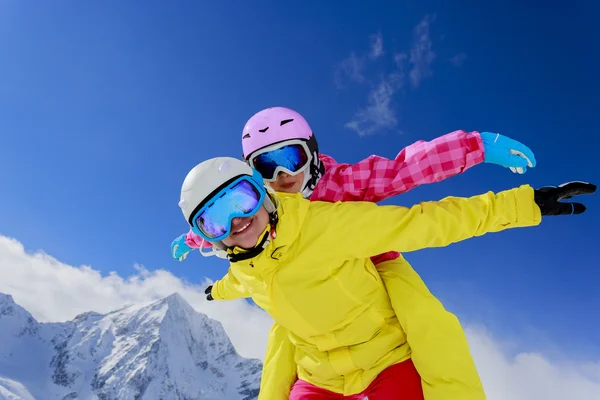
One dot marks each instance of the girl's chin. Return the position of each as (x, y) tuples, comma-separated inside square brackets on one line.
[(247, 246), (246, 242)]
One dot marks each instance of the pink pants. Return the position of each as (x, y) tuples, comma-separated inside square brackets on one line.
[(398, 382)]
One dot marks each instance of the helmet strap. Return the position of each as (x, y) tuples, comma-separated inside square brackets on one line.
[(312, 175), (216, 251), (266, 239)]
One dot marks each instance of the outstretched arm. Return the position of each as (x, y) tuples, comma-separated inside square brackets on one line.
[(377, 178), (228, 288), (195, 241), (347, 230), (181, 247)]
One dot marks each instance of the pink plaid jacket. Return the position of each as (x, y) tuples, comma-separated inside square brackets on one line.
[(377, 178)]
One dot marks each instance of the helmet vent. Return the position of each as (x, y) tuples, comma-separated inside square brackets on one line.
[(264, 130), (246, 136), (285, 121)]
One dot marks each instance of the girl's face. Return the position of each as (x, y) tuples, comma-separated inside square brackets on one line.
[(287, 183), (245, 232)]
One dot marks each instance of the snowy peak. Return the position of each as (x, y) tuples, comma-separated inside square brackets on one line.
[(176, 300), (15, 319), (6, 298), (7, 305), (163, 349)]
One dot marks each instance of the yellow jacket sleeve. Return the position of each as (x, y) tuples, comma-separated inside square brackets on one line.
[(228, 288), (279, 367), (348, 230)]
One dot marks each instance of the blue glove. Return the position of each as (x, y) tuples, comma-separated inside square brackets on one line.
[(179, 249), (507, 152)]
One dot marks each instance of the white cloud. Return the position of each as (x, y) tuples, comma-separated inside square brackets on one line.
[(53, 291), (459, 59), (421, 55), (380, 112), (351, 68), (376, 46), (527, 376)]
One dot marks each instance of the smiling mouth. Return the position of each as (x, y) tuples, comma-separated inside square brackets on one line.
[(288, 185), (244, 227)]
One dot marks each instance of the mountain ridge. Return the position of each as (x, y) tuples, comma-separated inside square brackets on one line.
[(155, 350)]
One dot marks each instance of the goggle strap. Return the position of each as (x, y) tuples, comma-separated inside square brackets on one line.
[(214, 252), (271, 201)]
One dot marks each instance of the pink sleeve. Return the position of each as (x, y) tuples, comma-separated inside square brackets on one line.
[(195, 241), (377, 178)]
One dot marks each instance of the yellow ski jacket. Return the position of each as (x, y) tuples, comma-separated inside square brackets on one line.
[(316, 280)]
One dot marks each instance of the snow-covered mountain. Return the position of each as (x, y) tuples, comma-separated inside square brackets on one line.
[(161, 350)]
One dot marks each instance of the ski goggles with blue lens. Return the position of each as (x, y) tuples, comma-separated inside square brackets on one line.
[(291, 157), (241, 198)]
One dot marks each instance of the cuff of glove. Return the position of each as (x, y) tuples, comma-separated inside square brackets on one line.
[(215, 291), (528, 212)]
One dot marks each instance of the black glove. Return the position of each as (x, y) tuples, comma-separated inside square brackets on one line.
[(548, 197), (208, 292)]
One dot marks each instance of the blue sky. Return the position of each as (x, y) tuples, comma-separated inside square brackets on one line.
[(105, 106)]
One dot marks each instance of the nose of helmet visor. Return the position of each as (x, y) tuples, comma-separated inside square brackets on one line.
[(291, 158), (242, 198)]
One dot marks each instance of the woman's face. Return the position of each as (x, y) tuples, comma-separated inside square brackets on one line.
[(287, 183), (246, 231)]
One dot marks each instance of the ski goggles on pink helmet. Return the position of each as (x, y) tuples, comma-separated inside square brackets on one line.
[(290, 156), (243, 197)]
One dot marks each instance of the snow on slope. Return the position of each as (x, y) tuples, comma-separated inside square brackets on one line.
[(159, 350), (11, 390)]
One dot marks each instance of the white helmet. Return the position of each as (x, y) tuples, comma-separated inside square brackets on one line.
[(210, 176)]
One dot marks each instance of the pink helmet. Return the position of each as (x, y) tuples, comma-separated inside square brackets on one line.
[(273, 125), (279, 124)]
